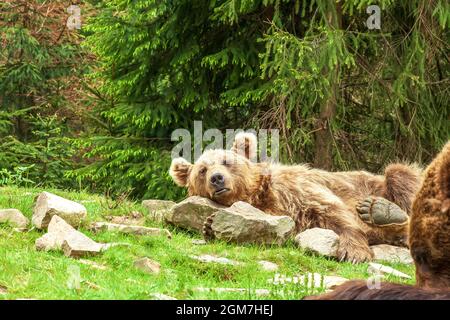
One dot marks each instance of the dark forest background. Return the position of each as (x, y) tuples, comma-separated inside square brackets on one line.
[(94, 108)]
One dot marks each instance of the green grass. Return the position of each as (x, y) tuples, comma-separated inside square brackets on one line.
[(27, 273)]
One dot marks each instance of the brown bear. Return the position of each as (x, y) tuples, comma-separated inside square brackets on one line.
[(312, 197), (429, 240)]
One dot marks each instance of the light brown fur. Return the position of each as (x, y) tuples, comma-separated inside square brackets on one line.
[(312, 197)]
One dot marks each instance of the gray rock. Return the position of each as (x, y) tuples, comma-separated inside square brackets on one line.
[(147, 265), (63, 236), (268, 266), (47, 205), (76, 246), (14, 217), (385, 252), (3, 290), (157, 208), (130, 229), (93, 264), (161, 296), (376, 268), (206, 258), (134, 218), (319, 241), (191, 213), (258, 292), (198, 242), (243, 223)]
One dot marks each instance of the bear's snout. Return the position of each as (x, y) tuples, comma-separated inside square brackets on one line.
[(217, 180)]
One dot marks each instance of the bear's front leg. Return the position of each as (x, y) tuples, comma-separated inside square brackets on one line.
[(330, 212), (353, 246)]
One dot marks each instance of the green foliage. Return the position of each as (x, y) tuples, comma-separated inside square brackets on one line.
[(312, 69), (38, 67)]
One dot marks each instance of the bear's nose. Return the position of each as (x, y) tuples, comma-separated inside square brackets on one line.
[(217, 180)]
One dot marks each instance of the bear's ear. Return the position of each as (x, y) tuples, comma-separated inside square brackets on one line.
[(245, 144), (179, 171)]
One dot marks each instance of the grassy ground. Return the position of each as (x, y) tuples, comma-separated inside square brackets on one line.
[(27, 273)]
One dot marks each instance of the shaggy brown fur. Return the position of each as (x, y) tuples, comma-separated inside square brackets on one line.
[(357, 290), (312, 197), (430, 225), (429, 242)]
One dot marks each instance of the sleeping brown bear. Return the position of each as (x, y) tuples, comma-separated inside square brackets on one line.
[(340, 201)]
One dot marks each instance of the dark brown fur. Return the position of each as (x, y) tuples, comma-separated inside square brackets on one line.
[(429, 239), (358, 290)]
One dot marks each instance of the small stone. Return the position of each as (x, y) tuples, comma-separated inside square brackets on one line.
[(243, 223), (160, 296), (157, 208), (268, 266), (206, 258), (134, 218), (14, 217), (92, 285), (47, 205), (191, 213), (259, 292), (385, 252), (376, 268), (3, 290), (147, 265), (106, 246), (198, 242), (93, 264), (319, 241), (130, 229)]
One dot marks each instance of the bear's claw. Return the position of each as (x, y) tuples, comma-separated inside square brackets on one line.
[(380, 211), (354, 254), (208, 233)]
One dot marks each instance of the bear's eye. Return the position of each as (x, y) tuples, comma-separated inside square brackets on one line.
[(225, 163), (203, 171)]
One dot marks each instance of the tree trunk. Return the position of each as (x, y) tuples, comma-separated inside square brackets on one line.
[(323, 155)]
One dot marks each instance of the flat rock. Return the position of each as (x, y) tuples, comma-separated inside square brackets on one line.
[(243, 223), (76, 246), (206, 258), (3, 290), (323, 242), (198, 242), (93, 264), (268, 266), (376, 268), (157, 208), (191, 213), (385, 252), (134, 218), (130, 229), (14, 218), (147, 265), (161, 296), (47, 205), (62, 235), (259, 292)]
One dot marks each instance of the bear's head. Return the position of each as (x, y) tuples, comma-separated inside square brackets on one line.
[(225, 176)]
